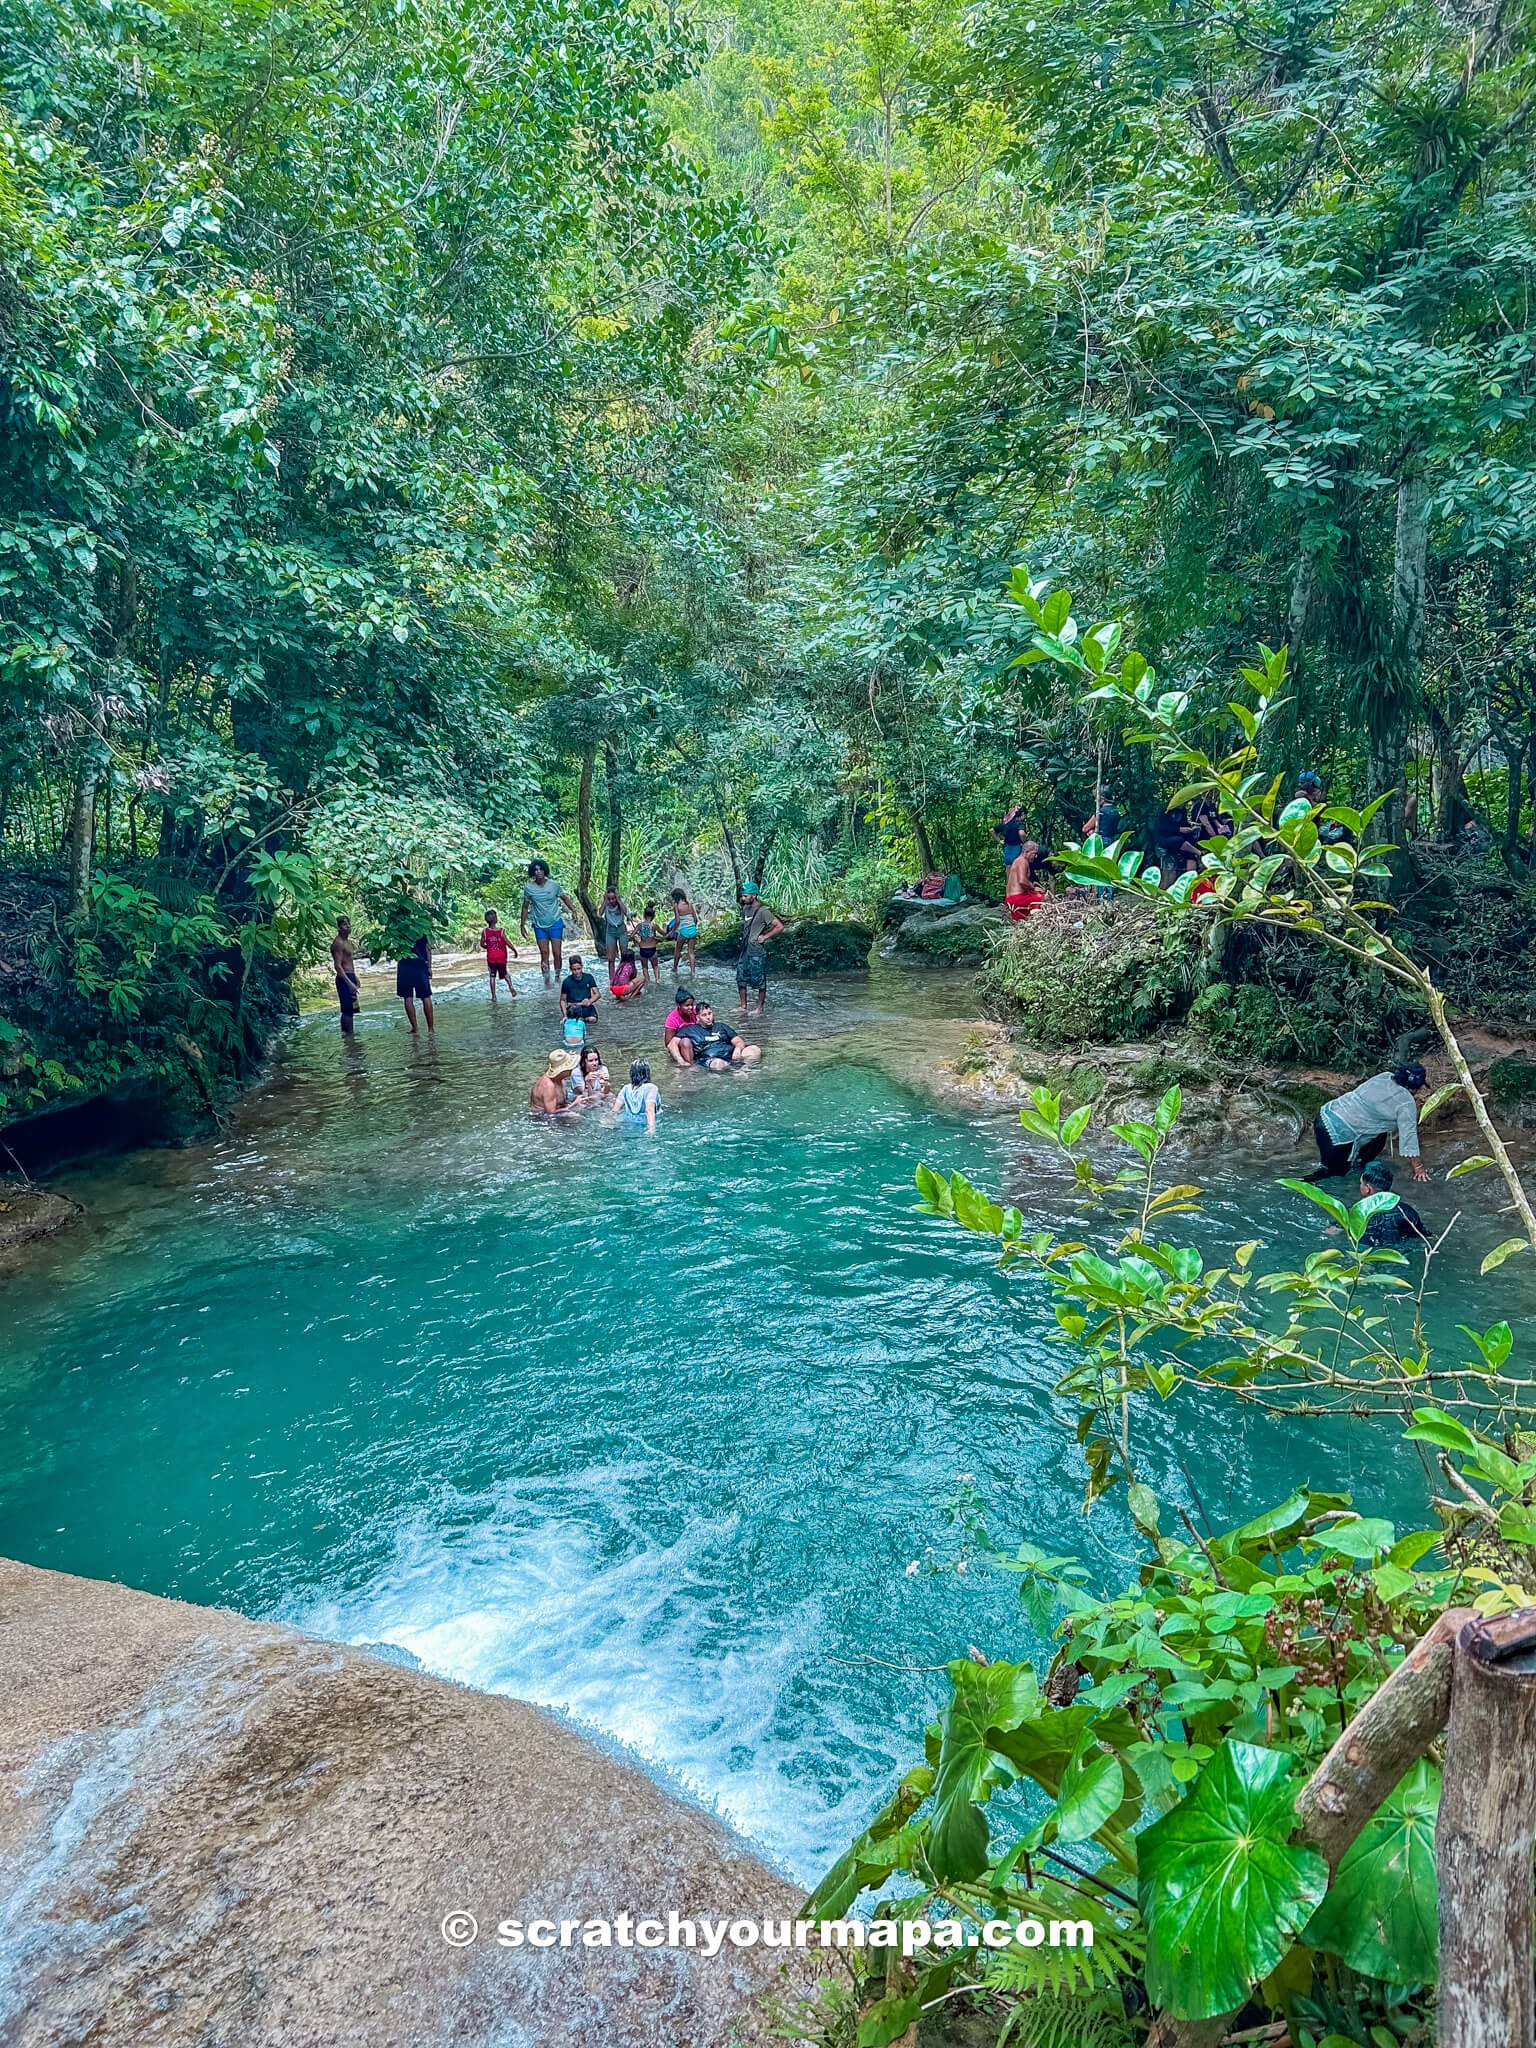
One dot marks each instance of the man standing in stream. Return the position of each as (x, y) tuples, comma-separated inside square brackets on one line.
[(758, 925), (348, 987)]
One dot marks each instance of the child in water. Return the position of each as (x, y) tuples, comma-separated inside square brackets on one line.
[(495, 947), (639, 1099), (593, 1075), (646, 939), (683, 930), (626, 979)]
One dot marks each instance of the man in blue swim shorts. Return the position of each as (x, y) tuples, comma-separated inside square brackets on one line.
[(546, 900)]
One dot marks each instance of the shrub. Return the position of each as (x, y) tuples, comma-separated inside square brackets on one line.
[(1474, 925), (1081, 972), (1281, 1001)]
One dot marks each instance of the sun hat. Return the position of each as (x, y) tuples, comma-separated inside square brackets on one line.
[(563, 1063)]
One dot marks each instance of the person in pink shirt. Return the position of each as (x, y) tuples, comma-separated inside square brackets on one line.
[(684, 1011)]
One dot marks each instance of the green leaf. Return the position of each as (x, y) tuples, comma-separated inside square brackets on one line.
[(1501, 1252), (1075, 1125), (1380, 1914), (1329, 1204), (1167, 1112), (1434, 1426), (1274, 1521), (864, 1859), (1091, 1793), (1361, 1536), (1473, 1165), (889, 2019), (986, 1696), (1222, 1891)]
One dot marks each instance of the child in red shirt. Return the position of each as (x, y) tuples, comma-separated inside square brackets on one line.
[(493, 944)]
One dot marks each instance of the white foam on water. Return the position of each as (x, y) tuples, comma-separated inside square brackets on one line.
[(645, 1640)]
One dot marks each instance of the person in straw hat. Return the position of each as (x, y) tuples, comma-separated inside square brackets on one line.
[(552, 1092)]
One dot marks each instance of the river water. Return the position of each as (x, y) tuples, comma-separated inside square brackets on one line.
[(662, 1433)]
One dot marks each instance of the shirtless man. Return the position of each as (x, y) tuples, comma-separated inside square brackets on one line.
[(550, 1094), (348, 988)]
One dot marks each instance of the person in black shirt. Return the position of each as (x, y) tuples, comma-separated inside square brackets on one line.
[(716, 1045), (1388, 1228), (578, 994)]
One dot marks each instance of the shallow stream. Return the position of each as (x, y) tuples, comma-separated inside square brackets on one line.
[(651, 1431)]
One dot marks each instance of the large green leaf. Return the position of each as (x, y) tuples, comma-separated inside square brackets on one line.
[(987, 1696), (1380, 1914), (1223, 1893), (1091, 1794), (872, 1856)]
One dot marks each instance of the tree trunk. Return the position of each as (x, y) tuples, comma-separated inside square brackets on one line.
[(584, 842), (924, 846), (1485, 1836), (1277, 754), (1410, 553), (615, 812), (93, 756), (1450, 784), (1390, 1733), (82, 824), (1514, 794)]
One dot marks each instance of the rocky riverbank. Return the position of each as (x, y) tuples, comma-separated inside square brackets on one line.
[(1223, 1105), (220, 1832)]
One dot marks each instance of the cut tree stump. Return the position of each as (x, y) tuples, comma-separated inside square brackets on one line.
[(1484, 1837)]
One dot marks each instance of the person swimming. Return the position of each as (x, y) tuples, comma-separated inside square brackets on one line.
[(592, 1076)]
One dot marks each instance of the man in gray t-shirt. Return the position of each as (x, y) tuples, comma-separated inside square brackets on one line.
[(758, 925), (546, 899)]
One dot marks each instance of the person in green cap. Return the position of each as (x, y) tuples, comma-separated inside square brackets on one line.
[(758, 925)]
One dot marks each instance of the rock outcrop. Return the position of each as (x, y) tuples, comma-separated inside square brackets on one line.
[(28, 1213), (221, 1832)]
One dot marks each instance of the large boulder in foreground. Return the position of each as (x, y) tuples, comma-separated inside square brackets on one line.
[(217, 1831)]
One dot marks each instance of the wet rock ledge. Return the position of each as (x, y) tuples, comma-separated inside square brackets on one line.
[(218, 1831)]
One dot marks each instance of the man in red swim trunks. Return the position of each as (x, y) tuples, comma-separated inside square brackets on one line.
[(493, 944)]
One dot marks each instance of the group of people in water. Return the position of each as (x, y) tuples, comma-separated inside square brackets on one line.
[(629, 946)]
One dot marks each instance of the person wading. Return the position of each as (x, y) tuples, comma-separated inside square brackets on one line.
[(1354, 1128), (413, 983), (546, 900), (553, 1092), (759, 924), (348, 987)]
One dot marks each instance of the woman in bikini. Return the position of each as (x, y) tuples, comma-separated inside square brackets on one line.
[(683, 930), (646, 940)]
